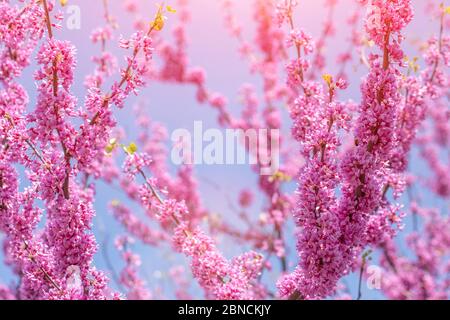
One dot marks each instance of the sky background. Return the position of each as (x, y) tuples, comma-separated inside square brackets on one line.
[(210, 47)]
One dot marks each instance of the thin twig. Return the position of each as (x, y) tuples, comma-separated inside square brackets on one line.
[(46, 275)]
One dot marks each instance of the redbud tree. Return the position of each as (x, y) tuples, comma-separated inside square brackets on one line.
[(344, 210)]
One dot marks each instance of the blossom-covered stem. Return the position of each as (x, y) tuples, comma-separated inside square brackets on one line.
[(386, 48), (46, 274), (441, 33), (361, 272), (351, 171), (108, 97), (327, 31), (408, 277), (105, 254), (129, 277)]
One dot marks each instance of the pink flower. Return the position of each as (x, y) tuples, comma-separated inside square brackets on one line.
[(246, 198)]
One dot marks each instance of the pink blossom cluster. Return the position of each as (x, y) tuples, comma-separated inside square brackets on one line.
[(351, 156)]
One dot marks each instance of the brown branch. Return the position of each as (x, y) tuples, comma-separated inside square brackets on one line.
[(386, 49)]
